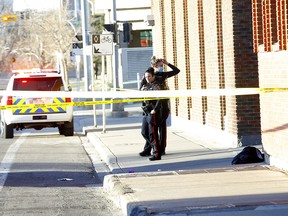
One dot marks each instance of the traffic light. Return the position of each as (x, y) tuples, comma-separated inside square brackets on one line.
[(24, 15), (79, 44), (127, 32), (114, 29)]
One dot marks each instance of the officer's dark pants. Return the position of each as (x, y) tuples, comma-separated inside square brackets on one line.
[(163, 136), (145, 134), (150, 133)]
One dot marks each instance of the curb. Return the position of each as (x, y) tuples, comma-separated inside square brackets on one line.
[(106, 155), (123, 196)]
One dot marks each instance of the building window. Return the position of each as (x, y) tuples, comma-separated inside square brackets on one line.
[(146, 38)]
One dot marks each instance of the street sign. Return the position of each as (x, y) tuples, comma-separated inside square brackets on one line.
[(9, 18), (77, 45), (102, 44), (75, 53)]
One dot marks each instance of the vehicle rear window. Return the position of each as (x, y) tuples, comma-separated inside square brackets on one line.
[(38, 84)]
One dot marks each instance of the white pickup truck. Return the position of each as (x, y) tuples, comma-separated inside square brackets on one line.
[(37, 118)]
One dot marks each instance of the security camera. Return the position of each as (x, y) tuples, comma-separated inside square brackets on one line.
[(150, 20)]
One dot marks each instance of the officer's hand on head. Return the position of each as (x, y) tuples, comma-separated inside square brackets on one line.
[(152, 112), (164, 61)]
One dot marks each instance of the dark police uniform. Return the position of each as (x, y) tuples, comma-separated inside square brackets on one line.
[(160, 79), (151, 122)]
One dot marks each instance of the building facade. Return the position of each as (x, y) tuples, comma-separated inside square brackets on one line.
[(270, 26), (227, 44)]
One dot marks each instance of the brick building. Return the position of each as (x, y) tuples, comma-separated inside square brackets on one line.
[(211, 41), (270, 26)]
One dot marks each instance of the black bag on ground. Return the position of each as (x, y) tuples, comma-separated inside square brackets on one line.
[(248, 155)]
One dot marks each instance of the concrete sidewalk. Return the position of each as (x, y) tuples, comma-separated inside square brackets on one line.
[(194, 176)]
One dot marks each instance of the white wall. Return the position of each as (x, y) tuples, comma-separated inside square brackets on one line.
[(127, 10), (102, 5)]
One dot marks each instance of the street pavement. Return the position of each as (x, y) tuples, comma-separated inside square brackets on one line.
[(195, 177)]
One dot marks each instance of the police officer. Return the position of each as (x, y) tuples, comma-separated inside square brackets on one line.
[(160, 78), (153, 117)]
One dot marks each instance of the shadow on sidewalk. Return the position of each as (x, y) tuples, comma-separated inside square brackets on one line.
[(171, 163)]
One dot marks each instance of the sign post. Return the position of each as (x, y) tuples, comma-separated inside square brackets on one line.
[(102, 44)]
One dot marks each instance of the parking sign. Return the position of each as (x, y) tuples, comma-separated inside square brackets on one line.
[(102, 44)]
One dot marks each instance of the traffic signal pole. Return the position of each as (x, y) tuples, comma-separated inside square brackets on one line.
[(115, 62), (85, 38), (116, 108)]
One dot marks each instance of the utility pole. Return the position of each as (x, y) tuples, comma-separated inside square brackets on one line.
[(85, 36), (116, 108), (115, 62), (75, 9)]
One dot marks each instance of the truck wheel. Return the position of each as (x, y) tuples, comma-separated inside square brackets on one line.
[(68, 128), (7, 131)]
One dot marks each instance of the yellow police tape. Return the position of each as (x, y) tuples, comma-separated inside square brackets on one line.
[(79, 103), (136, 96)]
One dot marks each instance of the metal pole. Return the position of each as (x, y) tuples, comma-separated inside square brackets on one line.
[(103, 89), (93, 89), (78, 60), (84, 23), (119, 106), (115, 62), (75, 8)]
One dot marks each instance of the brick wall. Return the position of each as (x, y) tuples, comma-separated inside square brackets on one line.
[(273, 73), (229, 65), (197, 56), (211, 53), (270, 41), (246, 73), (183, 56), (213, 44), (211, 61)]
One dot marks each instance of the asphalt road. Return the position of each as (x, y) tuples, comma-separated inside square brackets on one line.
[(44, 173)]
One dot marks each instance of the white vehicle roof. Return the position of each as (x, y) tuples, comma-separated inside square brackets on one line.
[(35, 71)]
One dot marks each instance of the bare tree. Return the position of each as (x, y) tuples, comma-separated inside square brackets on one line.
[(9, 38), (39, 39)]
